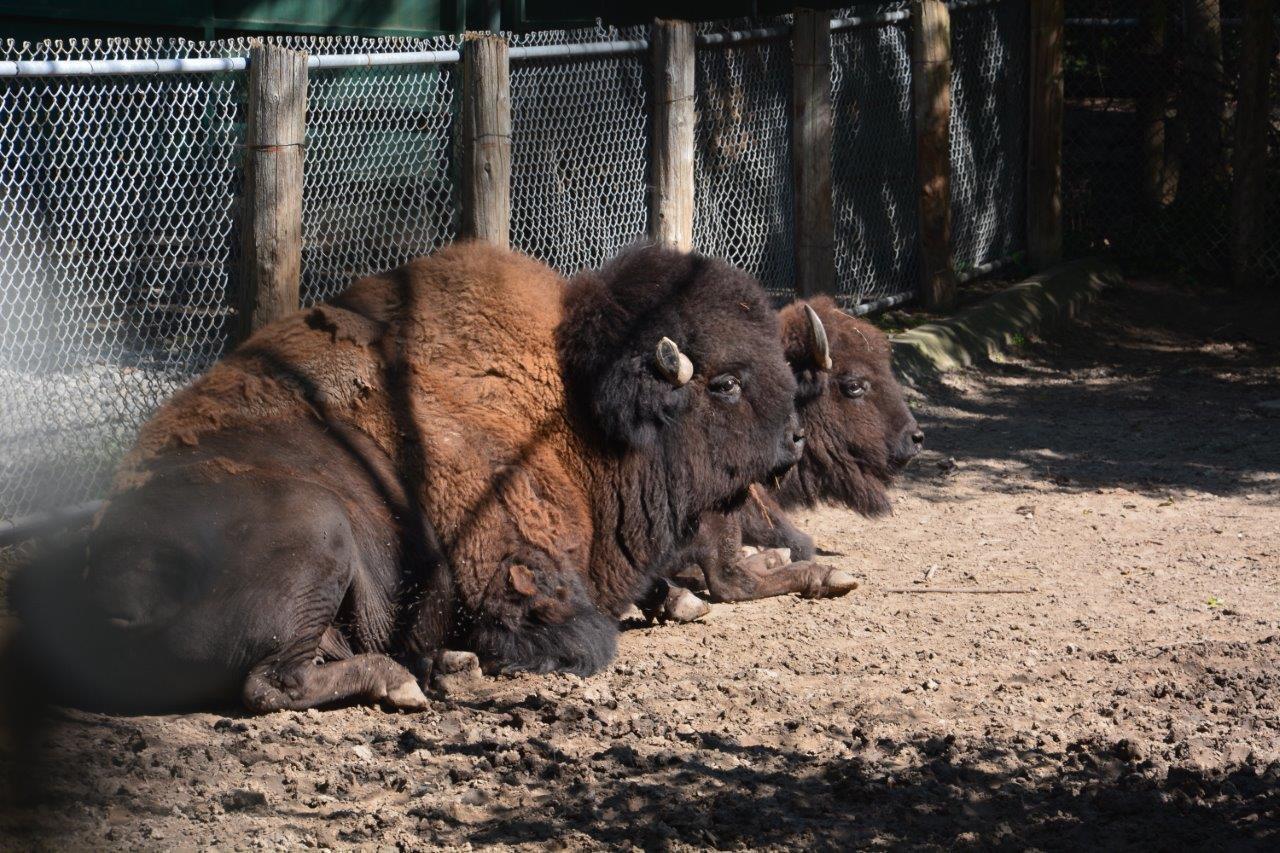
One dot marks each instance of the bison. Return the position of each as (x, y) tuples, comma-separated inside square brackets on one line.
[(466, 452), (859, 435)]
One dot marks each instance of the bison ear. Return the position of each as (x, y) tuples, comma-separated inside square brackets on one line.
[(615, 377), (521, 578)]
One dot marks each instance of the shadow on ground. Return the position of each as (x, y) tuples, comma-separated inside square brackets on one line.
[(1157, 389)]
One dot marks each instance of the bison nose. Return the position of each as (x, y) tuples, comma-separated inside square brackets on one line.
[(797, 436), (917, 437)]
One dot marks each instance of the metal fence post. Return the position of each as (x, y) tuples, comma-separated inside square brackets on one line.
[(811, 152), (931, 101), (272, 201), (486, 140), (1249, 169), (1044, 140), (671, 151)]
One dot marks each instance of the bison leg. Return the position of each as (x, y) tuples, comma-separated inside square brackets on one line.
[(307, 684), (766, 574), (765, 525)]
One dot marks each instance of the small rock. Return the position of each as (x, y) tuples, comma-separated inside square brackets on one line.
[(363, 751), (931, 684), (242, 799)]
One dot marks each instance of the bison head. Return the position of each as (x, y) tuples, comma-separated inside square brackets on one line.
[(860, 433), (674, 362)]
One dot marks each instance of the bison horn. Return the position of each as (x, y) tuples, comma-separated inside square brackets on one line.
[(674, 364), (819, 346)]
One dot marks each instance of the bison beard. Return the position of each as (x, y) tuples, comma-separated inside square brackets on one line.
[(466, 452), (859, 435)]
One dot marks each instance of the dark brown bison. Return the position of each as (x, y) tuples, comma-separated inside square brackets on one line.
[(859, 435), (463, 453)]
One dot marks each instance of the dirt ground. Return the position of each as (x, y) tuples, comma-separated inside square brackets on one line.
[(1068, 635)]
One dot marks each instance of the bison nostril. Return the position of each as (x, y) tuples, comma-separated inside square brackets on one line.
[(797, 436), (917, 437)]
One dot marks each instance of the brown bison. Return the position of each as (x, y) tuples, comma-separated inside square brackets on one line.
[(463, 453), (859, 435)]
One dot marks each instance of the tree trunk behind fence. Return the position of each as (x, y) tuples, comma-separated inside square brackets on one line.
[(671, 151), (811, 152), (931, 95), (486, 140), (1152, 106), (1044, 139), (1203, 106), (1249, 163), (272, 199)]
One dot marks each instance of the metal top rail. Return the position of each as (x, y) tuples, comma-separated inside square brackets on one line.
[(739, 36), (870, 20), (211, 65), (594, 48)]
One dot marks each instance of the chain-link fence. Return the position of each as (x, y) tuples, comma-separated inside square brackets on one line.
[(579, 147), (743, 207), (989, 73), (1149, 128), (873, 156), (119, 193)]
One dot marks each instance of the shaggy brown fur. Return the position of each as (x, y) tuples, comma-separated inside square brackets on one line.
[(859, 434), (465, 450)]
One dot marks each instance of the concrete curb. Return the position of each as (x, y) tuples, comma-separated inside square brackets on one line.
[(976, 334)]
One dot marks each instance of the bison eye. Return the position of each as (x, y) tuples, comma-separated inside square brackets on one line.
[(854, 388), (726, 386)]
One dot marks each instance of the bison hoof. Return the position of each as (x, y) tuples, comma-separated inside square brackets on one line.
[(750, 550), (684, 606), (451, 662), (408, 697), (456, 672), (839, 583), (834, 585)]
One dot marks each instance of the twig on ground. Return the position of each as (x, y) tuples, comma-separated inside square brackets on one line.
[(973, 590)]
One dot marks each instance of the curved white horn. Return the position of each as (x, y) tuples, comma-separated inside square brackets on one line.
[(674, 364), (819, 346)]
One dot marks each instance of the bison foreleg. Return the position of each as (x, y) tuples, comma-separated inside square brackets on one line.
[(272, 686), (767, 574)]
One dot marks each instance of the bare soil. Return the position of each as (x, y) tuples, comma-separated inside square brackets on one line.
[(1068, 635)]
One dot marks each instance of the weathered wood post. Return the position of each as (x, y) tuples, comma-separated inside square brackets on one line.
[(811, 152), (1249, 159), (931, 97), (1151, 107), (671, 150), (486, 139), (1044, 139), (272, 201)]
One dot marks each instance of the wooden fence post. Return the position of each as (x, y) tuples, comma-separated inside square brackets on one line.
[(811, 152), (486, 139), (1044, 136), (671, 154), (272, 201), (1249, 166), (931, 96)]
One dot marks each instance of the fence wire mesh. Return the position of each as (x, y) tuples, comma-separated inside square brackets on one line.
[(989, 69), (873, 165), (1149, 128), (379, 176), (742, 162), (579, 149), (117, 248)]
